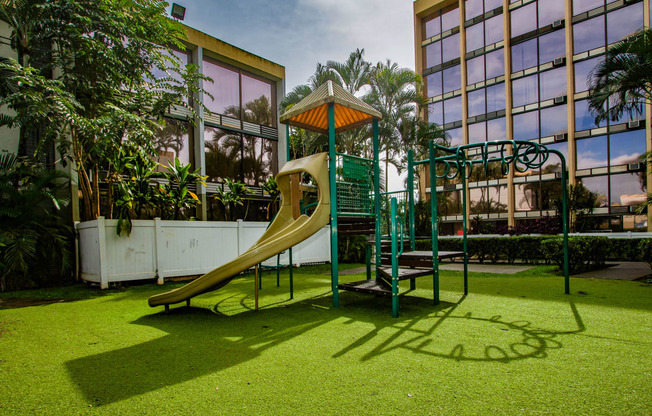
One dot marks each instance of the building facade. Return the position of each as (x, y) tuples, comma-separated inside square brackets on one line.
[(517, 70), (240, 139)]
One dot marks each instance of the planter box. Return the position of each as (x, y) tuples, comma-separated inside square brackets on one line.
[(157, 249)]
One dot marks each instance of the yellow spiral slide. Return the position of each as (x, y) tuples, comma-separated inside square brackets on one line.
[(285, 231)]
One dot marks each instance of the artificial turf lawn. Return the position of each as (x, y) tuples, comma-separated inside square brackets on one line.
[(515, 345)]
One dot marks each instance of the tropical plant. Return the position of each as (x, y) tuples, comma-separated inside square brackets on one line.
[(175, 197), (34, 242), (271, 187), (234, 196)]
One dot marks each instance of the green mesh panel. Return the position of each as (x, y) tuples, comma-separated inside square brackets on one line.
[(354, 185), (402, 209)]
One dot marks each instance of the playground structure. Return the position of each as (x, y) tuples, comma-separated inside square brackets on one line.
[(349, 198)]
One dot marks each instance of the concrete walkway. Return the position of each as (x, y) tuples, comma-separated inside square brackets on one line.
[(626, 270)]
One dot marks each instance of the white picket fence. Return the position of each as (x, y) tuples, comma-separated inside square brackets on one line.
[(160, 249)]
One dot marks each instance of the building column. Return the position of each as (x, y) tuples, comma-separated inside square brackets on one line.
[(648, 124), (465, 100), (509, 130), (198, 135), (570, 93), (282, 147)]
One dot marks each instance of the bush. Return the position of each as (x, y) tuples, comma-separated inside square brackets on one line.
[(645, 250)]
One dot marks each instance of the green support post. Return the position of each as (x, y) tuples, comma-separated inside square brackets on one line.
[(368, 259), (376, 149), (291, 277), (393, 232), (332, 166), (564, 219), (433, 219), (287, 140), (464, 230), (410, 188)]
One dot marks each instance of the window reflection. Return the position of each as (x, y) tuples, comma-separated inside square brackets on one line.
[(450, 48), (455, 136), (257, 101), (436, 113), (475, 70), (493, 30), (524, 55), (495, 98), (553, 83), (584, 120), (449, 203), (495, 63), (600, 186), (588, 34), (225, 90), (452, 79), (525, 90), (526, 125), (433, 84), (582, 71), (628, 189), (623, 22), (475, 37), (553, 163), (551, 46), (433, 54), (450, 19), (433, 26), (496, 129), (223, 154), (453, 109), (553, 120), (628, 147), (492, 4), (476, 102), (477, 132), (524, 20), (549, 11), (592, 153), (581, 6), (474, 8), (258, 159), (173, 141)]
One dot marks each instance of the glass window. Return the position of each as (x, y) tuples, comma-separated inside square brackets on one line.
[(223, 154), (173, 141), (475, 70), (452, 78), (628, 189), (496, 97), (453, 109), (553, 83), (436, 113), (497, 198), (450, 19), (493, 30), (525, 90), (451, 48), (477, 132), (524, 55), (624, 22), (433, 26), (225, 90), (554, 120), (455, 136), (433, 54), (581, 6), (474, 8), (526, 125), (584, 120), (496, 129), (553, 163), (582, 71), (588, 34), (257, 101), (495, 63), (259, 159), (524, 19), (433, 84), (592, 153), (628, 147), (492, 4), (599, 185), (475, 37), (551, 46), (549, 11), (476, 102)]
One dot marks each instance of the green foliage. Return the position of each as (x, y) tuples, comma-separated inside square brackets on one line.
[(34, 243), (585, 253), (645, 249), (175, 199), (351, 248), (271, 187), (234, 196)]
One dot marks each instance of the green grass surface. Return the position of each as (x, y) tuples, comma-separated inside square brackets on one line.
[(515, 345)]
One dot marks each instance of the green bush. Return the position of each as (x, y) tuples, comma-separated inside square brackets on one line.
[(645, 250)]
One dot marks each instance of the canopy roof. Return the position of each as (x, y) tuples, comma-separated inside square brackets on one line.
[(311, 113)]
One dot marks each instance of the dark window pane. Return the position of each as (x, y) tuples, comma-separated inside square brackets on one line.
[(495, 63), (257, 101), (453, 109), (225, 90), (624, 22), (477, 133), (592, 153), (496, 97), (475, 37), (173, 141), (433, 84), (451, 47), (625, 148), (479, 200), (493, 30), (452, 79), (433, 54), (492, 4), (553, 83), (455, 136), (259, 160), (582, 71), (584, 120), (551, 46), (524, 55), (525, 90), (599, 185), (628, 189), (433, 27), (524, 19), (549, 11), (476, 102), (436, 113), (553, 163), (496, 129), (588, 34), (581, 6), (554, 120), (475, 70), (473, 8), (497, 198), (223, 154), (526, 125), (450, 19)]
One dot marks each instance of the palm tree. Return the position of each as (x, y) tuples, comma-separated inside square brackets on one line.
[(354, 73), (623, 81)]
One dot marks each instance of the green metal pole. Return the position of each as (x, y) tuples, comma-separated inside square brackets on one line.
[(287, 140), (464, 237), (368, 259), (376, 149), (291, 277), (393, 232), (278, 270), (410, 187), (433, 218), (564, 223), (332, 165)]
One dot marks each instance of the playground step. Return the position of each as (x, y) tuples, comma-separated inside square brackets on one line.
[(386, 245), (347, 225), (405, 273), (373, 286), (418, 258)]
